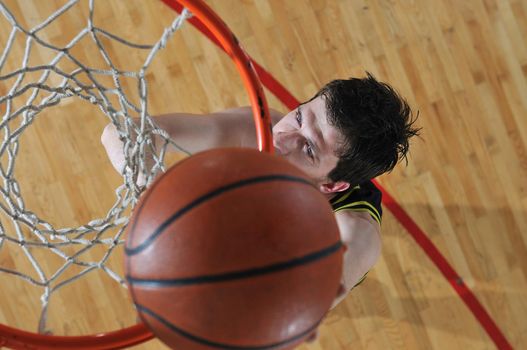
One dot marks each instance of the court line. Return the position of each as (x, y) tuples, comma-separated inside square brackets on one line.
[(464, 292)]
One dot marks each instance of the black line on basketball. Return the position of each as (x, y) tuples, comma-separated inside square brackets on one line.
[(204, 341), (147, 195), (235, 275), (209, 196)]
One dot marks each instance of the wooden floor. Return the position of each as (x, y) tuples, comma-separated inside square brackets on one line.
[(462, 64)]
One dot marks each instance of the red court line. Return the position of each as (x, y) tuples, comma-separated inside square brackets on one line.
[(398, 212), (446, 269)]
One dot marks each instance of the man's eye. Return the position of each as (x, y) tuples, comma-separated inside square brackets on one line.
[(298, 117), (309, 150)]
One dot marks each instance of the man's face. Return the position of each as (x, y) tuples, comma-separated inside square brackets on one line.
[(304, 138)]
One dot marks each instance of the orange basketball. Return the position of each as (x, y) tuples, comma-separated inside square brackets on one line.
[(233, 248)]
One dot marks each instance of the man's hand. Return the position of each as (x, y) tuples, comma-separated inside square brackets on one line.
[(115, 150), (114, 147)]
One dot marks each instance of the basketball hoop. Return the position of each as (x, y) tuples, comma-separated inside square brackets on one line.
[(18, 339)]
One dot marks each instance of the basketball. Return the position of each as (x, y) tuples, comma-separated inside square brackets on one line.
[(233, 248)]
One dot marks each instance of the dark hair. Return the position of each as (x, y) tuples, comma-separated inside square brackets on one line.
[(376, 123)]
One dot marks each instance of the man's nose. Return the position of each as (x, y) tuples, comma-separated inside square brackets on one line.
[(286, 142)]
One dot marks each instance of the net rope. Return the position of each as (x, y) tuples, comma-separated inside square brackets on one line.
[(30, 232)]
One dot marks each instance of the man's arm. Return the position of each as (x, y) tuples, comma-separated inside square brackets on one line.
[(194, 133), (361, 235)]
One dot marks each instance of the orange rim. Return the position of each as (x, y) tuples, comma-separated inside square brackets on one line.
[(229, 43), (18, 339)]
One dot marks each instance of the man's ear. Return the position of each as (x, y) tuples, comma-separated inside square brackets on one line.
[(332, 187)]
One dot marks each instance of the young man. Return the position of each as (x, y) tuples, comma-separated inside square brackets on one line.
[(350, 132)]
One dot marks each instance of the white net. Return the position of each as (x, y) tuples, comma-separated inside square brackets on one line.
[(32, 88)]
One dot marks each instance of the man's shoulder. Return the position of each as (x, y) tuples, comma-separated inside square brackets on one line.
[(361, 233), (352, 223)]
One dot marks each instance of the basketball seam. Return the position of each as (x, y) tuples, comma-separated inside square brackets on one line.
[(147, 195), (236, 275), (204, 341), (204, 198)]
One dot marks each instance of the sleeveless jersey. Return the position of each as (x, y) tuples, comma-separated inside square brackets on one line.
[(364, 198)]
